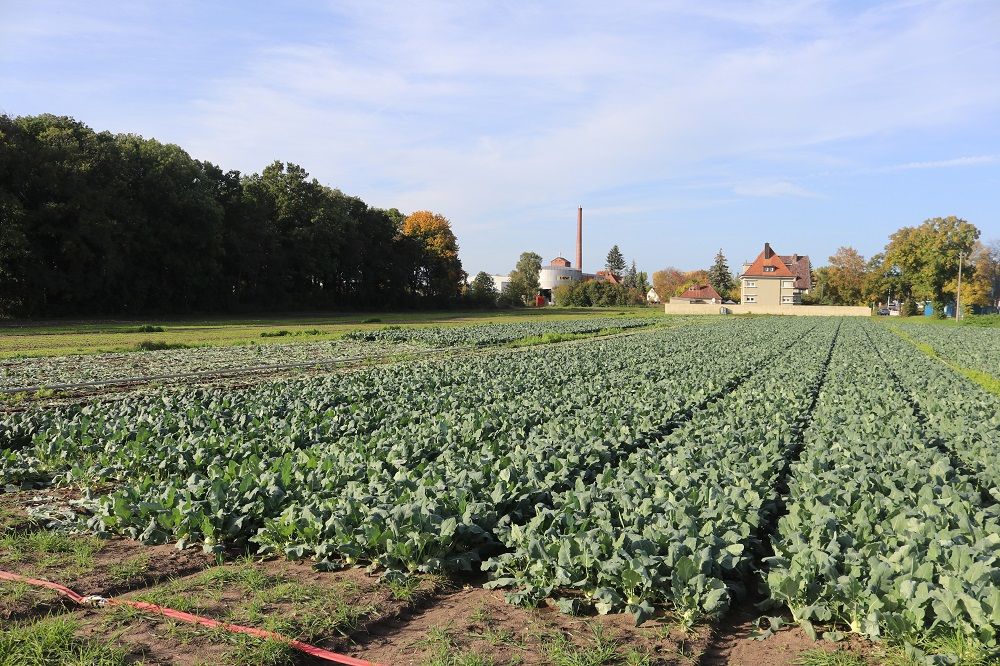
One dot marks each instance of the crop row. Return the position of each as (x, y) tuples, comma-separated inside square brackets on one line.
[(964, 417), (43, 371), (680, 521), (493, 334), (883, 534)]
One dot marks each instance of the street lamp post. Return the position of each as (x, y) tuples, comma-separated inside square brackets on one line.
[(958, 295)]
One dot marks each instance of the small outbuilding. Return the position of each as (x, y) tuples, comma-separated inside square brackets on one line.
[(699, 293)]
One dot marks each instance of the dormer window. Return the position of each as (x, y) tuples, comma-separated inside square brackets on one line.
[(768, 269)]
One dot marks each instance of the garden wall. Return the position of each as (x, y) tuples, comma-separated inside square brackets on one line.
[(798, 310)]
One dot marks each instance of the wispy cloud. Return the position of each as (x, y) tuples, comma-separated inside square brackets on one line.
[(458, 108), (781, 188), (974, 160)]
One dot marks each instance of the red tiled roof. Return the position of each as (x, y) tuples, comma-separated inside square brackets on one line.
[(608, 276), (702, 292), (767, 257)]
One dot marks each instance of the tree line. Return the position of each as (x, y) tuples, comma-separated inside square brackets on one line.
[(628, 288), (918, 264), (102, 223)]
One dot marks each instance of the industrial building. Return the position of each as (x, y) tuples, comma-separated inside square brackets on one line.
[(560, 270)]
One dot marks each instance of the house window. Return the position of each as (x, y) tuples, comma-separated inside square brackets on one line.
[(750, 284), (787, 299), (788, 284), (750, 299), (769, 269)]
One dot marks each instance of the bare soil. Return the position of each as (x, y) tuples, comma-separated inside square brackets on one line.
[(473, 621), (14, 506), (732, 643)]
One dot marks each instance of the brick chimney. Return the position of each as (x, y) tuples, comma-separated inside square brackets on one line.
[(768, 252), (579, 238)]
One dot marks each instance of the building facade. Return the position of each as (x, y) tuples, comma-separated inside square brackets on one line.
[(775, 279)]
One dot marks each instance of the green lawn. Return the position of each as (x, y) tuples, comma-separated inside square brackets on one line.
[(58, 338)]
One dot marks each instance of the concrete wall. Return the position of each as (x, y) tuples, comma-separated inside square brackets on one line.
[(799, 310)]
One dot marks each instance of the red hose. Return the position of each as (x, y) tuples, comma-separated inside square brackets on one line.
[(312, 650)]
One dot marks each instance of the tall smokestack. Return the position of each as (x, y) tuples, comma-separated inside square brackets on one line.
[(579, 238)]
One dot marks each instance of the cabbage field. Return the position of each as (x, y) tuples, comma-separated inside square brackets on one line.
[(827, 464), (76, 368), (33, 372), (491, 334)]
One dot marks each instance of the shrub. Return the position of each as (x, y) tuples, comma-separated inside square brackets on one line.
[(158, 345)]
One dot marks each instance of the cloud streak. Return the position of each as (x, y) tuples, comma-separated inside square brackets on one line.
[(781, 188), (974, 160)]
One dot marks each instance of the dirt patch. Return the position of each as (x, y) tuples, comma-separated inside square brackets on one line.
[(85, 564), (732, 643), (471, 622), (787, 647), (15, 506), (418, 621), (424, 620)]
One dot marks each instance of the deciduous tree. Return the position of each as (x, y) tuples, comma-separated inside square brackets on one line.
[(440, 273), (483, 291), (667, 281), (845, 278), (523, 285), (98, 223), (926, 256)]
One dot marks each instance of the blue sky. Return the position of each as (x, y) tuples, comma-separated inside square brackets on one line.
[(680, 127)]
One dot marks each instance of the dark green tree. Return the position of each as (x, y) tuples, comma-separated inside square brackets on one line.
[(97, 223), (482, 290), (615, 262), (720, 277), (631, 277)]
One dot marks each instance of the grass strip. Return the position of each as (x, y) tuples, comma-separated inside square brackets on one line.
[(54, 641), (983, 379)]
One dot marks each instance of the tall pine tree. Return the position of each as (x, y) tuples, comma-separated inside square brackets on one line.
[(631, 279), (615, 263), (720, 277)]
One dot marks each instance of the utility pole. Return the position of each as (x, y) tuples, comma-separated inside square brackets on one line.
[(958, 296)]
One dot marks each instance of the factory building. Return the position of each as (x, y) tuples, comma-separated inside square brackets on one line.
[(560, 270)]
